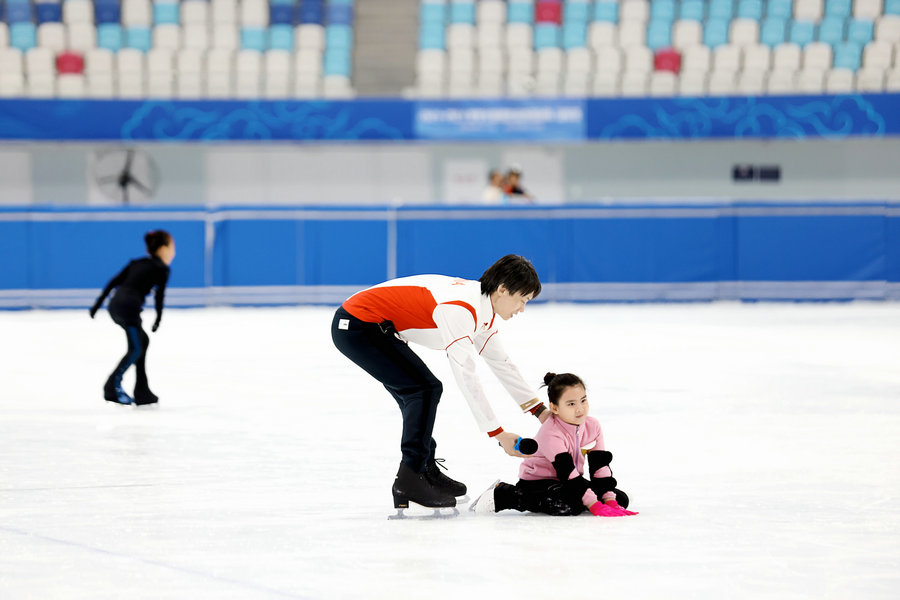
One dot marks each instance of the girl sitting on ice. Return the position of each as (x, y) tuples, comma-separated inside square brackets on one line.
[(551, 480)]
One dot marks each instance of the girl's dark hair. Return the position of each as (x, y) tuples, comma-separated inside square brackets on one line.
[(557, 383), (513, 271), (157, 239)]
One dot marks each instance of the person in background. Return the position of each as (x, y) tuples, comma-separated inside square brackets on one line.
[(494, 193), (551, 480), (132, 285), (514, 189)]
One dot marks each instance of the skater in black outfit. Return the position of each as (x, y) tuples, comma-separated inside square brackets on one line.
[(132, 285)]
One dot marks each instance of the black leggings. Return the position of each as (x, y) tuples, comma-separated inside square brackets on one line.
[(138, 341), (375, 348), (545, 496)]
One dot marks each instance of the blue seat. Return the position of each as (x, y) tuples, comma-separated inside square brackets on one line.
[(432, 36), (606, 11), (109, 36), (802, 32), (340, 14), (831, 30), (281, 37), (772, 32), (166, 13), (309, 11), (520, 12), (847, 55), (432, 13), (279, 3), (576, 12), (347, 2), (336, 62), (19, 13), (721, 9), (715, 32), (22, 35), (139, 38), (892, 7), (546, 35), (692, 10), (338, 37), (107, 11), (574, 35), (750, 9), (253, 38), (280, 14), (860, 31), (662, 10), (838, 8), (48, 12), (659, 34), (462, 12), (781, 9)]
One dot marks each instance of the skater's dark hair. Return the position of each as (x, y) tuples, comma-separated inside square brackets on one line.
[(513, 271), (557, 383), (156, 239)]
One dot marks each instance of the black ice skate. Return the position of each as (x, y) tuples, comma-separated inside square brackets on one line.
[(116, 395), (413, 488), (145, 397), (434, 476)]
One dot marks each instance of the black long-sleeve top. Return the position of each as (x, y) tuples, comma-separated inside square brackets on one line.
[(135, 281)]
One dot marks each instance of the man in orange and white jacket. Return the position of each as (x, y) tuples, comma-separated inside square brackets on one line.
[(373, 327)]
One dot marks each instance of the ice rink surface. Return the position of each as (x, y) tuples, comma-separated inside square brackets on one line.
[(758, 441)]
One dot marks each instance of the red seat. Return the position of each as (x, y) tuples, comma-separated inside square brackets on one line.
[(667, 59), (69, 62), (548, 11)]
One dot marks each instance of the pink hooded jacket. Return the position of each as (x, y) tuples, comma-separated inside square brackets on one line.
[(556, 436)]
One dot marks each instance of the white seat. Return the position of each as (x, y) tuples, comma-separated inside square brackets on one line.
[(432, 90), (638, 59), (521, 61), (744, 32), (310, 87), (253, 13), (12, 85), (461, 61), (752, 83), (809, 10), (99, 62), (632, 33), (548, 86), (692, 83), (727, 58), (277, 68), (634, 10), (491, 60), (77, 11), (226, 37), (757, 57), (219, 69), (129, 61), (4, 34), (577, 84), (634, 84), (878, 54), (82, 36), (870, 79), (460, 36), (52, 35), (194, 12), (579, 60), (810, 81), (839, 81), (40, 86), (686, 33), (136, 13), (817, 55), (867, 9), (601, 34), (489, 85), (609, 59), (308, 62), (160, 86), (189, 85), (722, 83), (606, 84), (549, 60), (40, 61), (663, 83), (519, 35), (130, 86), (160, 61), (309, 35), (431, 62), (489, 35), (696, 58), (189, 61), (167, 36), (781, 82), (892, 83), (786, 57), (887, 28), (491, 12), (337, 86), (248, 74), (195, 36), (99, 86), (224, 12)]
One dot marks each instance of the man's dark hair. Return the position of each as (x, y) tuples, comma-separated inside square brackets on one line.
[(513, 271)]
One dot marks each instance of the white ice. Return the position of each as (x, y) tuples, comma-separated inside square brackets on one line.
[(758, 441)]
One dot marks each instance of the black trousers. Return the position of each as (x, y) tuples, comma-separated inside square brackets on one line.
[(545, 496), (375, 348), (138, 342)]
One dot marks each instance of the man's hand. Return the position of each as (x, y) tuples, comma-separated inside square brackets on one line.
[(507, 441)]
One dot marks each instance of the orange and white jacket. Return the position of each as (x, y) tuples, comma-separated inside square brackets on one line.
[(450, 314)]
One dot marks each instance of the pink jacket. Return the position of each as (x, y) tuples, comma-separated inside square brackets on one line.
[(555, 436)]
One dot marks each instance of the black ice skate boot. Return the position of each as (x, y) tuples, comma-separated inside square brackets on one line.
[(144, 397), (410, 486), (434, 476), (113, 392)]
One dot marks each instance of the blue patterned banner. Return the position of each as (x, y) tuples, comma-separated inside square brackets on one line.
[(537, 120)]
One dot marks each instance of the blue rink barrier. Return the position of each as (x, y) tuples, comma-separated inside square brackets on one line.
[(62, 257), (532, 120)]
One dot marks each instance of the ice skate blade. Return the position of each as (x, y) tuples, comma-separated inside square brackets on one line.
[(421, 513), (485, 502)]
